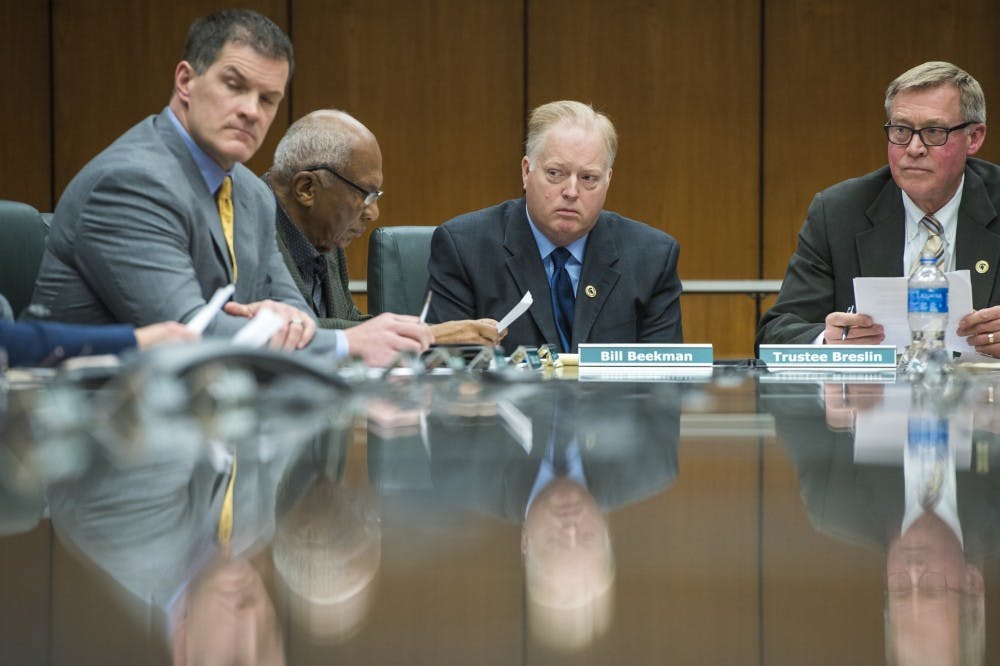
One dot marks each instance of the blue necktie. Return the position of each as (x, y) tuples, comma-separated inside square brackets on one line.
[(563, 298)]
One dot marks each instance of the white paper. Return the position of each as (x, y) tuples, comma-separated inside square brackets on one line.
[(516, 311), (884, 300), (204, 317), (259, 330)]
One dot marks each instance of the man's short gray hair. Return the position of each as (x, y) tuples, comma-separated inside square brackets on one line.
[(312, 141), (546, 116), (972, 102)]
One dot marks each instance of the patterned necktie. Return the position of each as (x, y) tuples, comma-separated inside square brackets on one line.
[(225, 531), (563, 298), (934, 245), (224, 198)]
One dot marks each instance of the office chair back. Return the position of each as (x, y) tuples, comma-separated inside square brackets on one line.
[(397, 269), (22, 241)]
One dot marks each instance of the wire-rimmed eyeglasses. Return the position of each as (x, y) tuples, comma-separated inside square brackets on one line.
[(371, 196)]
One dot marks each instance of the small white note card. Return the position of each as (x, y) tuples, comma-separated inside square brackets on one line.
[(516, 311), (207, 313), (259, 330)]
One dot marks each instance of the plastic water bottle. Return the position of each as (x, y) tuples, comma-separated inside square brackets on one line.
[(927, 310)]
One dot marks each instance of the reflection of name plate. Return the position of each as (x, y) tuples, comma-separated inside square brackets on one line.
[(645, 355), (841, 357)]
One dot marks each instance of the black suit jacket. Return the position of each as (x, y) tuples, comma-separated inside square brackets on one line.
[(857, 228), (482, 263)]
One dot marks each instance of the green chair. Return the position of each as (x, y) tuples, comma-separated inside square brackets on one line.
[(397, 269), (22, 242)]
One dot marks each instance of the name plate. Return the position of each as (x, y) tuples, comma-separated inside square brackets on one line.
[(842, 357), (645, 355)]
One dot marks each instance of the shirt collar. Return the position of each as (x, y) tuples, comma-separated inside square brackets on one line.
[(947, 215), (545, 246), (211, 172)]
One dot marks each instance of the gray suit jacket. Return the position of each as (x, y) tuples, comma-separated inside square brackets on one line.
[(136, 238), (856, 228), (482, 263)]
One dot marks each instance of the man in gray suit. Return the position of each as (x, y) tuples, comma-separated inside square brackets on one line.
[(138, 236), (326, 178), (872, 226), (616, 279)]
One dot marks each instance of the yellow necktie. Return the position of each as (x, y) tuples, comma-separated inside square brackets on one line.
[(226, 515), (225, 200)]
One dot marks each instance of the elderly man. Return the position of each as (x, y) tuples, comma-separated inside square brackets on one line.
[(327, 179), (932, 194), (595, 276), (167, 214)]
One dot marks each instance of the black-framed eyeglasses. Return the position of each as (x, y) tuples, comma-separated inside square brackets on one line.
[(901, 135), (371, 196)]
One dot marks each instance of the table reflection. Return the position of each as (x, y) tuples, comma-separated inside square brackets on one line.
[(907, 470)]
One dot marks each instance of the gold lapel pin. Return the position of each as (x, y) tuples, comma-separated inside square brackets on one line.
[(982, 266), (590, 290)]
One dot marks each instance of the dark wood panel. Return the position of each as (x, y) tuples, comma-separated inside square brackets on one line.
[(727, 321), (25, 117), (680, 80), (113, 64), (827, 65), (439, 82)]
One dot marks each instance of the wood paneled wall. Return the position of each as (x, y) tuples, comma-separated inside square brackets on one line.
[(731, 114)]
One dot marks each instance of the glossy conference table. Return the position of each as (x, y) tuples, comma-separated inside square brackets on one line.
[(740, 517)]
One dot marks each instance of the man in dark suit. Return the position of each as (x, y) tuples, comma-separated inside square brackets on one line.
[(167, 214), (873, 226), (326, 177), (595, 276)]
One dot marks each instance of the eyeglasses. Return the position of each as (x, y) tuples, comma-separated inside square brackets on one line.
[(929, 136), (930, 585), (370, 196)]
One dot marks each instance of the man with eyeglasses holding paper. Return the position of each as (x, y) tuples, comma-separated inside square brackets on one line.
[(327, 179), (594, 276), (932, 194)]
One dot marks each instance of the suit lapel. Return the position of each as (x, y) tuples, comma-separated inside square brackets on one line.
[(880, 248), (206, 205), (598, 272), (974, 242), (526, 269)]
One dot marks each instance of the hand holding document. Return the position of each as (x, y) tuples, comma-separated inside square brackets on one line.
[(516, 311), (884, 300), (259, 330), (200, 321)]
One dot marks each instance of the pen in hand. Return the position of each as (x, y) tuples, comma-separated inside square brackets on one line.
[(847, 329)]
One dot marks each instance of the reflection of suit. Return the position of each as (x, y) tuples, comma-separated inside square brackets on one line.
[(865, 504), (136, 238), (152, 526), (856, 229), (628, 449), (482, 263), (340, 307)]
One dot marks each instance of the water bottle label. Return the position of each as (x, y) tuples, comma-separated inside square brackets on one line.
[(928, 300), (927, 432)]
